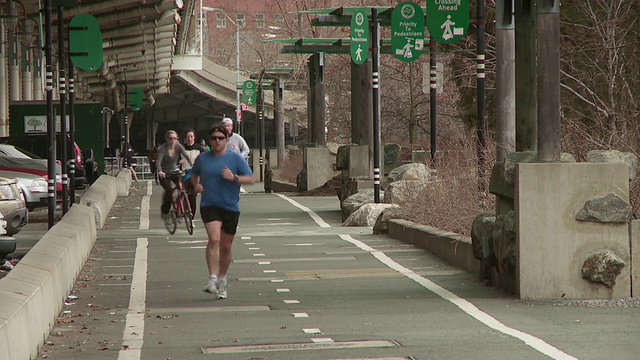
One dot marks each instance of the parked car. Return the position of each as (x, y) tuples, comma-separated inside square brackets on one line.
[(37, 167), (34, 187), (38, 144), (12, 205), (7, 244)]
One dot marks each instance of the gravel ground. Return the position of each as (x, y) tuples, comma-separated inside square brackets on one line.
[(633, 302)]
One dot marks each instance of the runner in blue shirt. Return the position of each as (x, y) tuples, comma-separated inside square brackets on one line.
[(218, 175)]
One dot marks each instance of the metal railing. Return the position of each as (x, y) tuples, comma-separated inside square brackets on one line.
[(143, 169)]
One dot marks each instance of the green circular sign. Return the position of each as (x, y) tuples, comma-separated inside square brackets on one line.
[(249, 92), (407, 31), (448, 19), (359, 45)]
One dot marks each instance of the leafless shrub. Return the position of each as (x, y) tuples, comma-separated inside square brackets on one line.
[(289, 169), (453, 200)]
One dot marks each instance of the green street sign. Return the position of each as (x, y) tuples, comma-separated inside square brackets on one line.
[(447, 20), (359, 46), (135, 99), (85, 42), (407, 31), (249, 92)]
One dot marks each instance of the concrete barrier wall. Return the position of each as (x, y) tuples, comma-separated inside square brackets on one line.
[(451, 247), (124, 182), (281, 186), (102, 194), (34, 292)]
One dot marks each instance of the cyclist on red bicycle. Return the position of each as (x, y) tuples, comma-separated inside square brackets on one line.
[(168, 160)]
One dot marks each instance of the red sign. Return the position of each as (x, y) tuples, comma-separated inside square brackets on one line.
[(239, 115)]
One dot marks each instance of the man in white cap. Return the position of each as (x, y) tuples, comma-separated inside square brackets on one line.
[(235, 142)]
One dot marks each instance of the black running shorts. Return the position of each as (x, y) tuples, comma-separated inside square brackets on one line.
[(228, 218)]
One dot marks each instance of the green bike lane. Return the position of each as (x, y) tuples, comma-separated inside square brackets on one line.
[(301, 286)]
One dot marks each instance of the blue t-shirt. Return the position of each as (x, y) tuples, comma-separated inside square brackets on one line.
[(217, 190)]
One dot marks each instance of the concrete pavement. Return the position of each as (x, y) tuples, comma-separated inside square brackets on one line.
[(301, 286)]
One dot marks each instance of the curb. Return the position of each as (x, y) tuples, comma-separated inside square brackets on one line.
[(34, 292)]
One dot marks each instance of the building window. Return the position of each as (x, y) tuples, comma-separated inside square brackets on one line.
[(221, 20), (241, 20), (260, 20), (278, 18)]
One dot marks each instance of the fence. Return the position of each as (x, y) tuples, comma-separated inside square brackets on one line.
[(143, 170)]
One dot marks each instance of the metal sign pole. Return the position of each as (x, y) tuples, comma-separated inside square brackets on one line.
[(51, 160), (62, 91), (375, 68), (72, 134)]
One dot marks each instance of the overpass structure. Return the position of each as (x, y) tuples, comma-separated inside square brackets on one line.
[(143, 41)]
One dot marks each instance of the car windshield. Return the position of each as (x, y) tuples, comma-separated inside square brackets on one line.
[(17, 152)]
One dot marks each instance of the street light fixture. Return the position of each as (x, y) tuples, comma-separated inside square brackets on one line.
[(238, 85)]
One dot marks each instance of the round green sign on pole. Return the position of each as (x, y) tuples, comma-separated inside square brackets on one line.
[(249, 92), (85, 42), (407, 31), (359, 46), (447, 20)]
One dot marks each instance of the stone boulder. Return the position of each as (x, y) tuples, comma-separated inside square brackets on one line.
[(399, 192), (413, 171), (382, 222), (482, 238), (355, 201), (608, 209), (367, 214), (602, 268), (333, 148), (616, 157)]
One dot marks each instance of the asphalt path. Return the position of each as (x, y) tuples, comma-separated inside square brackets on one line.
[(302, 286)]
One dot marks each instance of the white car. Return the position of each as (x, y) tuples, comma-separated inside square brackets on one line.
[(34, 187)]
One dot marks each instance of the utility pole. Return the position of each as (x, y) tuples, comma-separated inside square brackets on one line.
[(548, 28), (505, 79)]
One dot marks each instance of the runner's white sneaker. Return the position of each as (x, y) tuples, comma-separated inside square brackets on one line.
[(221, 287), (212, 286)]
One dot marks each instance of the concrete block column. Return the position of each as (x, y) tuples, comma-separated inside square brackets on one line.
[(551, 245)]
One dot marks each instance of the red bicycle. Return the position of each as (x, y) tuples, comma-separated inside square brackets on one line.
[(180, 208)]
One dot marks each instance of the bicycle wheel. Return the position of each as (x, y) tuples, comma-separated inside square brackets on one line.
[(170, 221), (188, 217)]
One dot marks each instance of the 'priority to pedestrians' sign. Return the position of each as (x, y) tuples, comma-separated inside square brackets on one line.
[(447, 20), (359, 46), (407, 31), (249, 92)]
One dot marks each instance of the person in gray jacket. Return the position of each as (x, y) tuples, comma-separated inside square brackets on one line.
[(235, 142), (168, 160)]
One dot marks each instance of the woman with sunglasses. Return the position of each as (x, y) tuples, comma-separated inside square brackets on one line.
[(168, 160)]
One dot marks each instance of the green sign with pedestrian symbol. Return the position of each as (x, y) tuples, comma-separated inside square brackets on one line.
[(407, 31), (359, 46), (249, 92), (447, 20)]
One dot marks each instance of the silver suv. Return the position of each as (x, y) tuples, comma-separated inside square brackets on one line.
[(12, 205)]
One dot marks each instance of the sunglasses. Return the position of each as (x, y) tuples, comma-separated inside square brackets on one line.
[(219, 138)]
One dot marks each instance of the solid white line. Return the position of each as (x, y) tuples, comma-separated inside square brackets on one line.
[(311, 213), (145, 208), (133, 335), (464, 305)]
